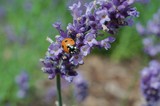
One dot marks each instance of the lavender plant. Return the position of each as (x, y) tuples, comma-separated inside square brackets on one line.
[(89, 21), (151, 35), (150, 83)]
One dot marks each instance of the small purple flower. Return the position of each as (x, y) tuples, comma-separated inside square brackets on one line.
[(85, 50), (59, 38), (55, 49), (133, 12), (90, 39), (68, 78), (89, 8), (76, 59), (62, 33), (51, 76), (106, 42), (150, 83), (102, 15), (76, 12), (50, 67), (71, 27)]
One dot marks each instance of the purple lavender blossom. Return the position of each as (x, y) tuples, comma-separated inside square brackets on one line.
[(150, 83), (23, 84), (102, 15), (81, 88), (85, 50), (90, 39), (88, 21), (55, 49), (49, 66), (77, 12), (76, 59), (106, 42), (151, 35)]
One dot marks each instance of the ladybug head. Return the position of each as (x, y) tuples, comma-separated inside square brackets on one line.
[(72, 49)]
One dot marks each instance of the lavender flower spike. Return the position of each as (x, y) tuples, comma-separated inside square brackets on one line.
[(150, 83), (88, 22)]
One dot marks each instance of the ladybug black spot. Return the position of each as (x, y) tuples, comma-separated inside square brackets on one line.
[(62, 46), (66, 40)]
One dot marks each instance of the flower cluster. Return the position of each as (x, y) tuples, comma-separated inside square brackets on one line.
[(151, 35), (88, 24), (150, 83), (22, 82)]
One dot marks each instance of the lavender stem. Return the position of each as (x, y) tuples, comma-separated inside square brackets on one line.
[(59, 90)]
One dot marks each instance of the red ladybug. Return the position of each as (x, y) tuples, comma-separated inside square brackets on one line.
[(68, 45)]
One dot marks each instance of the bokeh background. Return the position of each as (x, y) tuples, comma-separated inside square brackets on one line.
[(112, 76)]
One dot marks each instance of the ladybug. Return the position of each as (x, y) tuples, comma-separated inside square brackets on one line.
[(68, 45)]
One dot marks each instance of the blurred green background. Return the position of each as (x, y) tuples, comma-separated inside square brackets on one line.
[(24, 26)]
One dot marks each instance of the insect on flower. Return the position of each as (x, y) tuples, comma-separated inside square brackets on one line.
[(80, 37), (68, 45)]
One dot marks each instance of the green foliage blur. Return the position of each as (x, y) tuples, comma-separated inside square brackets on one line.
[(24, 26)]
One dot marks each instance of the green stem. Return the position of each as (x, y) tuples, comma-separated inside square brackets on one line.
[(59, 89)]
